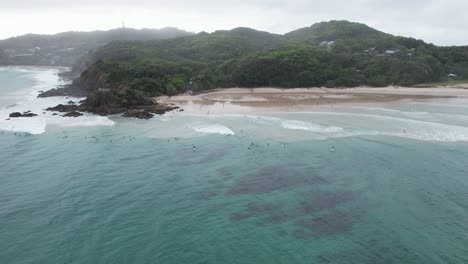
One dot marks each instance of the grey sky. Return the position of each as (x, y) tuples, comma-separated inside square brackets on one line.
[(442, 22)]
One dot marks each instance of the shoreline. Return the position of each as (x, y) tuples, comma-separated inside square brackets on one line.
[(246, 100), (61, 68)]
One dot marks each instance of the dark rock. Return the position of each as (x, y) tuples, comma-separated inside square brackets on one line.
[(71, 102), (54, 92), (73, 114), (25, 114), (113, 102), (137, 113), (29, 114), (68, 90), (161, 109), (16, 114), (63, 108), (54, 114)]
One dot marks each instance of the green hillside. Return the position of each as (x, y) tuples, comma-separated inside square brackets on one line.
[(332, 54), (66, 49)]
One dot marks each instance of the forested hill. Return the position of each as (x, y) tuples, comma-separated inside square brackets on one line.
[(66, 49), (332, 54)]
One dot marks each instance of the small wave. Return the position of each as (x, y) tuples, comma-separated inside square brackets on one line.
[(390, 110), (82, 121), (404, 127), (301, 125), (213, 129), (449, 104)]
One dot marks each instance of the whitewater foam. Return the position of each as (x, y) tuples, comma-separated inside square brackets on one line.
[(213, 129), (400, 127), (301, 125), (31, 125), (26, 100)]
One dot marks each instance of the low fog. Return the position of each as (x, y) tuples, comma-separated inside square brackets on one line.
[(442, 22)]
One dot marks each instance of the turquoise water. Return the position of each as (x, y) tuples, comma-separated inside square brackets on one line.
[(98, 190)]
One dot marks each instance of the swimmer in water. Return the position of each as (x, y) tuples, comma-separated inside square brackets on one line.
[(332, 149)]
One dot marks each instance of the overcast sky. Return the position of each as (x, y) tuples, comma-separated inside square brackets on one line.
[(443, 22)]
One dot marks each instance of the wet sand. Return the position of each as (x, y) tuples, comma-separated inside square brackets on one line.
[(244, 100)]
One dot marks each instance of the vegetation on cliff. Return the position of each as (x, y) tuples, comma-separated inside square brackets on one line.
[(332, 54)]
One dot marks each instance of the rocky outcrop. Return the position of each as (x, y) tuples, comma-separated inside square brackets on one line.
[(138, 113), (161, 109), (54, 92), (16, 114), (73, 114), (29, 114), (25, 114), (104, 102), (63, 108)]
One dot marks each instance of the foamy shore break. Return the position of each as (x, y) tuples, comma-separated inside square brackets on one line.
[(241, 100)]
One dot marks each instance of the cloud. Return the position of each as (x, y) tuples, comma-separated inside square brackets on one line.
[(439, 21)]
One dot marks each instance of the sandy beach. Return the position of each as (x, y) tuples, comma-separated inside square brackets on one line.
[(244, 100)]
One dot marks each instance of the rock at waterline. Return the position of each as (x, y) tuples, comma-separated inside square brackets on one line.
[(136, 113), (25, 114), (63, 108), (73, 114), (16, 114), (161, 109)]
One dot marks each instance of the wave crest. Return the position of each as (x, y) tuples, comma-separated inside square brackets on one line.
[(213, 129)]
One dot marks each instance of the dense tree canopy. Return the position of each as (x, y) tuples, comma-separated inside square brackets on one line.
[(332, 54)]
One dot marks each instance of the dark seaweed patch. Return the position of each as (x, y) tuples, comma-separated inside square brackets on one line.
[(256, 210), (315, 201), (326, 225), (381, 250), (205, 194), (272, 179), (278, 218), (226, 173), (218, 207), (281, 233), (188, 157)]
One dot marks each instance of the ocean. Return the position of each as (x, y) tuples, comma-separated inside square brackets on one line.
[(352, 184)]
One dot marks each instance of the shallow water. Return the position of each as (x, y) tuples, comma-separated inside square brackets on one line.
[(258, 189)]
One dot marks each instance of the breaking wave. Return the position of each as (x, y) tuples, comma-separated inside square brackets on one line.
[(213, 129), (26, 100), (367, 124), (301, 125)]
